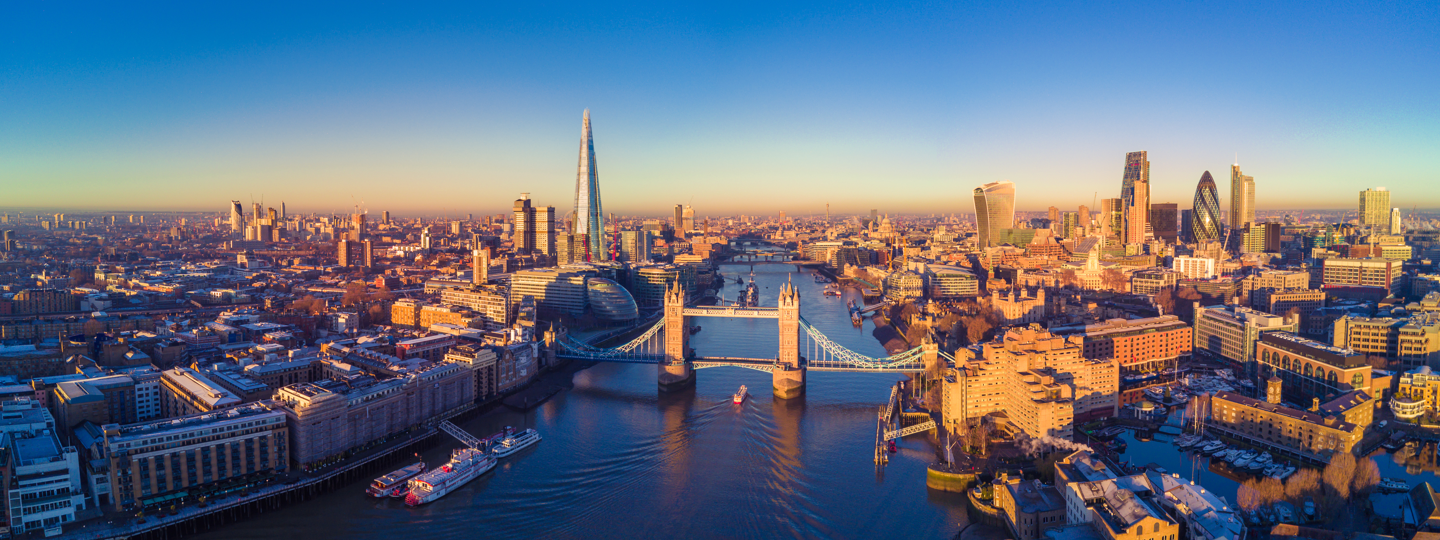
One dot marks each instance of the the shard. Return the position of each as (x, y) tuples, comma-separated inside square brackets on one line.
[(1205, 217), (589, 215)]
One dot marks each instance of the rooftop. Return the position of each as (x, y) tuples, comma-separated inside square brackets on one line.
[(41, 448), (1304, 416), (141, 430), (202, 388)]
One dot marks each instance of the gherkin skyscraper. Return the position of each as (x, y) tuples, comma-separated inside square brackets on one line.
[(589, 215), (1205, 218)]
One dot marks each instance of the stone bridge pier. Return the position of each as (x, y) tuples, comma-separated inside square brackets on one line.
[(677, 370), (788, 379)]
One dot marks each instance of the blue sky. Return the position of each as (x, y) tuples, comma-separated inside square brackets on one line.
[(734, 108)]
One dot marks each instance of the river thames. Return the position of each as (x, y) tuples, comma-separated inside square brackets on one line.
[(620, 459)]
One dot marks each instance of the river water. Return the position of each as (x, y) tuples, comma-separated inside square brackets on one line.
[(619, 459)]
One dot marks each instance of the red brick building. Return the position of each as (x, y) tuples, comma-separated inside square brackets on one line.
[(1141, 345)]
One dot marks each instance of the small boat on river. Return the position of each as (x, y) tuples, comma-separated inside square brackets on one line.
[(394, 484)]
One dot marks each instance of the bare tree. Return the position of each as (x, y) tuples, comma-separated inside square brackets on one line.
[(1247, 497), (1068, 278), (1339, 473), (1113, 279), (1271, 490), (1304, 483), (1367, 476)]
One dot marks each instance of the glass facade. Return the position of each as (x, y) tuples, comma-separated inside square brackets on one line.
[(589, 226), (1135, 198), (1205, 216), (994, 210), (610, 301)]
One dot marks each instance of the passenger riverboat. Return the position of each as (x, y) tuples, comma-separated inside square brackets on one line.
[(465, 464), (514, 442), (394, 484)]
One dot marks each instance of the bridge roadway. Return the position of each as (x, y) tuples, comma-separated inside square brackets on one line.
[(731, 311)]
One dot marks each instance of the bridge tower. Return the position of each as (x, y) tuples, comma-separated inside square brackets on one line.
[(675, 371), (789, 374)]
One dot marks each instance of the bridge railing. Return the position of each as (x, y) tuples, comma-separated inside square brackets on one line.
[(828, 355)]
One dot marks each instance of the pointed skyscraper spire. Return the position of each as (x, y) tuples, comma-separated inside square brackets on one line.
[(589, 216)]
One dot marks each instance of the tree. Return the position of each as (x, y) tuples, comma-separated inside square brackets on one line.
[(80, 277), (1113, 279), (1247, 497), (1271, 490), (354, 294), (1165, 300), (1304, 483), (1339, 473), (1068, 278), (1367, 476)]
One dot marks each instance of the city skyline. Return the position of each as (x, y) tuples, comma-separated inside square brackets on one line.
[(322, 108)]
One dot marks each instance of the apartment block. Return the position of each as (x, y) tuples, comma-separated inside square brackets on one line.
[(329, 417), (1413, 341), (1230, 332), (42, 482), (491, 304), (1139, 345), (175, 459), (1383, 273), (185, 391), (1040, 382)]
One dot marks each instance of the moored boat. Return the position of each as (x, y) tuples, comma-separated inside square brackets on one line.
[(1393, 484), (465, 464), (514, 442), (394, 484)]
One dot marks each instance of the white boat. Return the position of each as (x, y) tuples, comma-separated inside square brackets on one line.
[(1284, 512), (740, 394), (514, 443), (1212, 447), (1394, 484), (394, 484), (465, 464), (1287, 472)]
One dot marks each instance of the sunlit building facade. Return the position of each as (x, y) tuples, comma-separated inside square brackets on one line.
[(994, 210), (589, 214), (1205, 215)]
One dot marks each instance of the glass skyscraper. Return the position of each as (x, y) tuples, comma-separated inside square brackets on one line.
[(1205, 217), (1242, 198), (1135, 197), (994, 210), (589, 215)]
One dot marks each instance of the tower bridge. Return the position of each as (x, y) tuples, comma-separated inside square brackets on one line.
[(802, 347)]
